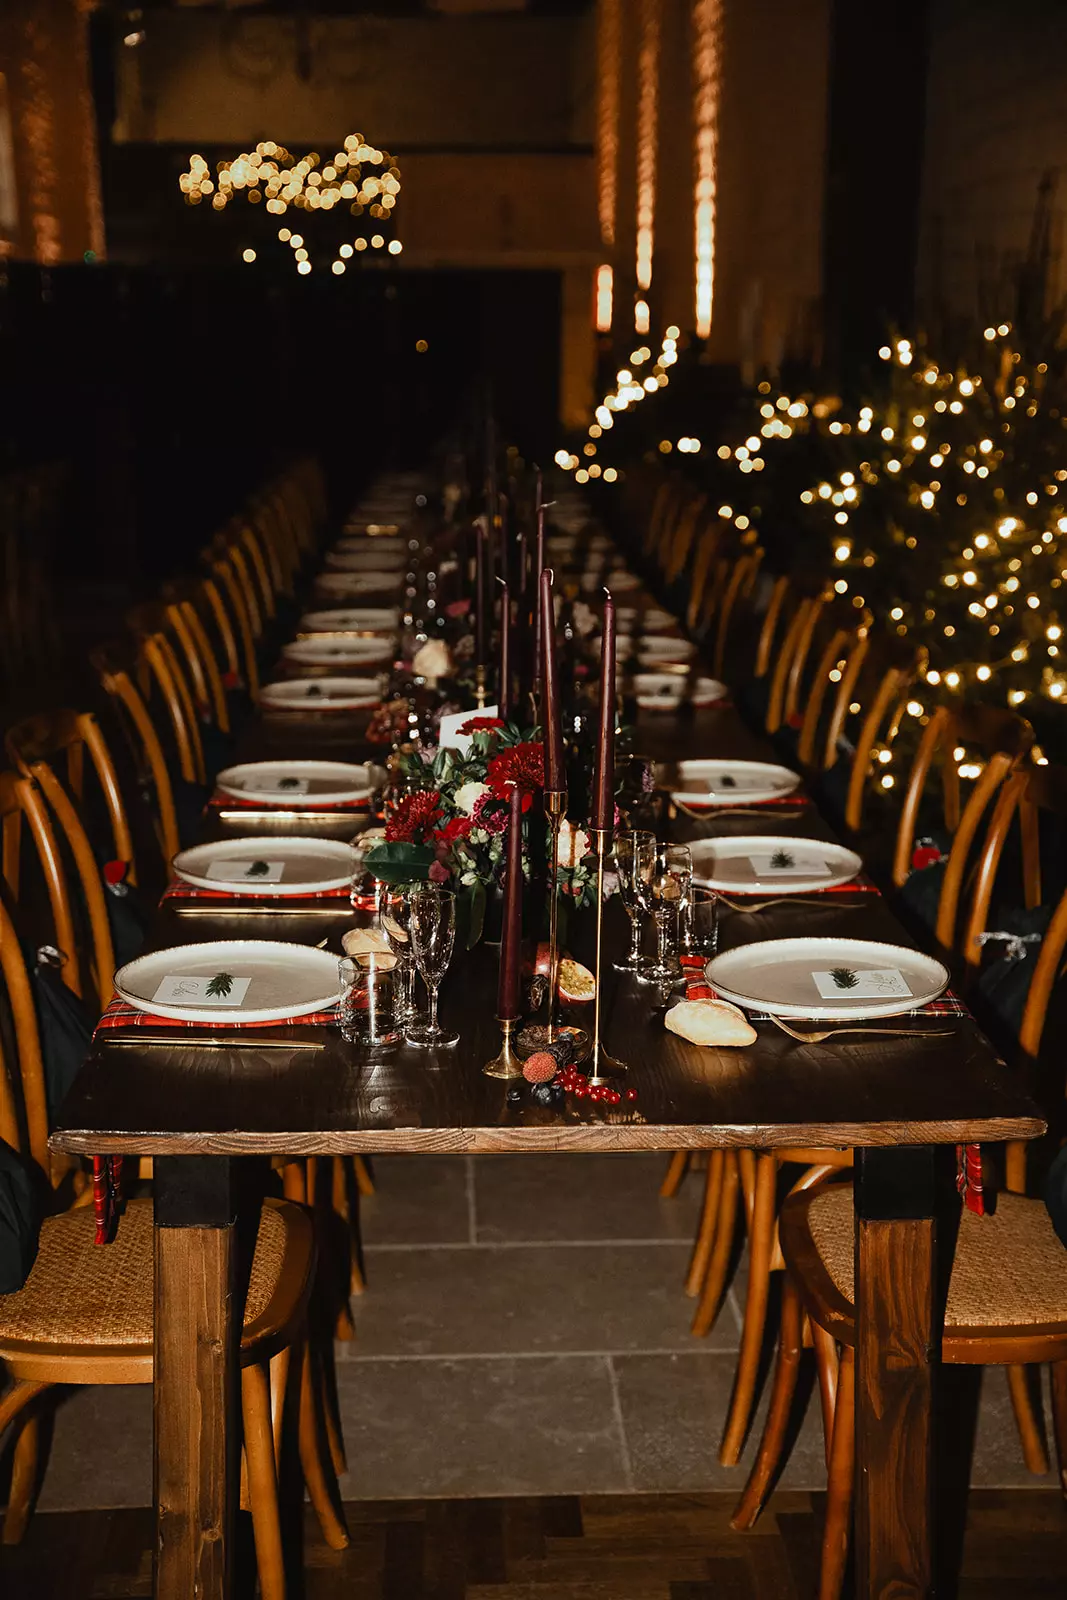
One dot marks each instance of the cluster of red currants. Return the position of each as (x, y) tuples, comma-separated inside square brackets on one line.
[(576, 1083)]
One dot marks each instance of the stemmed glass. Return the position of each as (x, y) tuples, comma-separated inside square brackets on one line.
[(671, 882), (394, 917), (433, 934), (635, 862)]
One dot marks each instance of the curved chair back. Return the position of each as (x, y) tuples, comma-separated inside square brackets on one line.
[(146, 748)]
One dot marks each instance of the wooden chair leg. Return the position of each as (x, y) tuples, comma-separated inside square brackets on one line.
[(340, 1187), (294, 1182), (262, 1480), (279, 1382), (23, 1478), (746, 1161), (826, 1365), (711, 1295), (785, 1382), (709, 1216), (364, 1181), (760, 1245), (839, 1483), (677, 1168), (321, 1483), (1030, 1431), (1059, 1419)]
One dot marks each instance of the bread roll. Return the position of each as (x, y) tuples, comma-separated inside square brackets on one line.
[(365, 941), (710, 1022)]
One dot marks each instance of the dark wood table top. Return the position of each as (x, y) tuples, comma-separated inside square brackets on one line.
[(169, 1099)]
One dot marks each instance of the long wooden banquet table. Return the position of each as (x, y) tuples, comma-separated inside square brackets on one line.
[(211, 1117)]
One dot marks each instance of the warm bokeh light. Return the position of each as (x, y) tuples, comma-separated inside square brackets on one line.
[(609, 63), (707, 26), (647, 139), (604, 282)]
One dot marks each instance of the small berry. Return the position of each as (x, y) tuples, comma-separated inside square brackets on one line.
[(631, 1094)]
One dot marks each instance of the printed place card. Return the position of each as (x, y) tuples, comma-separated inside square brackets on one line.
[(878, 983), (784, 864), (247, 868), (281, 783), (217, 989)]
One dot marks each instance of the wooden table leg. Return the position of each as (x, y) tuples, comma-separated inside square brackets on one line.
[(897, 1338), (197, 1377)]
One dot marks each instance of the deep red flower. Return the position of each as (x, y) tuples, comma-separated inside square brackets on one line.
[(481, 724), (925, 855), (520, 766), (455, 828), (489, 814), (414, 817)]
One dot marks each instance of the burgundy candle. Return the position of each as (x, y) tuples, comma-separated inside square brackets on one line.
[(551, 729), (508, 1007), (503, 698), (539, 567), (603, 814), (479, 596)]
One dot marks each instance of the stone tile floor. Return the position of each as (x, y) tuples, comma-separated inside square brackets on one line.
[(524, 1332)]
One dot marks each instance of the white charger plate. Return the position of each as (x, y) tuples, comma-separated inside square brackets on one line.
[(365, 565), (725, 783), (362, 555), (338, 650), (307, 866), (651, 652), (285, 980), (744, 864), (650, 621), (776, 975), (319, 783), (666, 691), (351, 619), (318, 694)]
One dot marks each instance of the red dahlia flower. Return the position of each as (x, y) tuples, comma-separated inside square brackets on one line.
[(481, 724), (414, 817), (521, 766)]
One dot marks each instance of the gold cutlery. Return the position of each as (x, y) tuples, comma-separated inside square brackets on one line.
[(713, 813), (813, 900), (832, 1033), (195, 1042)]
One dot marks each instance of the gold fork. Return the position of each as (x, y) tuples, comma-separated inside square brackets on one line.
[(833, 1033), (774, 813)]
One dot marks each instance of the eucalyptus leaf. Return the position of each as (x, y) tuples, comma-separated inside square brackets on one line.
[(477, 914)]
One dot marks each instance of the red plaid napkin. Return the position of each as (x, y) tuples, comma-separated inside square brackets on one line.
[(120, 1014), (298, 802), (178, 889), (795, 799), (968, 1156)]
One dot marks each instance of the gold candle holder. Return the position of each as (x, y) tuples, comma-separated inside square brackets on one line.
[(603, 1067), (479, 687), (507, 1063), (555, 806)]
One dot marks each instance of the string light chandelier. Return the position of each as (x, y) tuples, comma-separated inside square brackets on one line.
[(358, 179)]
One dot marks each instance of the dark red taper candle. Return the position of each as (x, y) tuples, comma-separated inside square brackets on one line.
[(551, 727), (479, 595), (509, 989), (603, 813), (503, 696)]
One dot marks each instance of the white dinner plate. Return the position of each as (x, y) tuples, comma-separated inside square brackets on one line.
[(651, 621), (666, 691), (651, 652), (753, 863), (724, 783), (365, 555), (831, 980), (321, 694), (338, 650), (351, 619), (300, 783), (272, 866), (269, 981), (366, 565)]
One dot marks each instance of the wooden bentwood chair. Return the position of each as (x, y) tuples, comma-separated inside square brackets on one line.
[(85, 1315)]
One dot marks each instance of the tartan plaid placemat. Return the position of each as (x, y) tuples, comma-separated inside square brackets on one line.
[(179, 890), (296, 803), (120, 1014)]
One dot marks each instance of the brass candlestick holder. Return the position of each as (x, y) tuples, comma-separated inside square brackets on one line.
[(555, 806), (603, 1067), (480, 694), (507, 1063)]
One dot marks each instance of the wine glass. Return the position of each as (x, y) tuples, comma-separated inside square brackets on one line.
[(672, 878), (635, 862), (433, 934), (394, 919)]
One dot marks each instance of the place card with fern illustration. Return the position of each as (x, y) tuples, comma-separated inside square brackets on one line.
[(785, 862), (220, 988), (872, 983), (252, 870)]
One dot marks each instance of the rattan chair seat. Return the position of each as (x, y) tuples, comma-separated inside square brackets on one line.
[(82, 1293), (1010, 1269)]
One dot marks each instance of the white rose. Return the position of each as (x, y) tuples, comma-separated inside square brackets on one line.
[(432, 661), (574, 843), (467, 796), (585, 618)]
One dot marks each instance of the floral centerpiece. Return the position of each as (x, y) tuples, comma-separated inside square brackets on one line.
[(450, 827)]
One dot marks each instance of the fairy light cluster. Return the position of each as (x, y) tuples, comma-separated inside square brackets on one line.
[(647, 146), (643, 377), (707, 58), (360, 178)]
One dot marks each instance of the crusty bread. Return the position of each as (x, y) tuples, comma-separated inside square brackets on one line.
[(710, 1022), (365, 941)]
